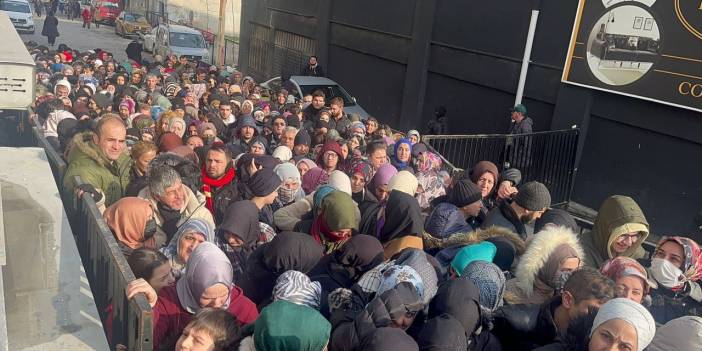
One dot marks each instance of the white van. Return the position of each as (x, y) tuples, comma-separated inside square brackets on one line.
[(20, 14)]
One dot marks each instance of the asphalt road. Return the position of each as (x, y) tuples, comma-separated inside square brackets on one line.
[(75, 36)]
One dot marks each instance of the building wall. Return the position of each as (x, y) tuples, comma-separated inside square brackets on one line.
[(403, 58)]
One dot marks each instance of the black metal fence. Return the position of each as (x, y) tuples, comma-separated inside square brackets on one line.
[(268, 60), (548, 157), (130, 321)]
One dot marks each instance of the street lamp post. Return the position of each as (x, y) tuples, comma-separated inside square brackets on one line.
[(219, 47)]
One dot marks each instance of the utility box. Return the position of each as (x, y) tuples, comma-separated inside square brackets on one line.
[(16, 69)]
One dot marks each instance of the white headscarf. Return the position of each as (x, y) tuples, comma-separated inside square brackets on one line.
[(631, 312)]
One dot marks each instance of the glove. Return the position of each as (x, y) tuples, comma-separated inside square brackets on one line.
[(94, 193)]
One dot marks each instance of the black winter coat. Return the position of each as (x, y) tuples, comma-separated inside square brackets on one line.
[(667, 305), (50, 28), (525, 327)]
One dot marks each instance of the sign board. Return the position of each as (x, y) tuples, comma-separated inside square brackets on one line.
[(647, 49)]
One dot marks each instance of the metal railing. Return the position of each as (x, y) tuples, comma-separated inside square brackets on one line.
[(548, 157), (130, 322), (108, 272)]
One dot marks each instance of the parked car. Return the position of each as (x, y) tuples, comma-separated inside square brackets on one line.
[(177, 40), (304, 85), (106, 11), (130, 24), (20, 14)]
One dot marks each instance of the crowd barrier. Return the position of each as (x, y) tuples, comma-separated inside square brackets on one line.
[(548, 157), (126, 322)]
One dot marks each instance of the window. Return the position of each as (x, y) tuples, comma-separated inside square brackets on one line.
[(14, 7), (330, 92), (186, 40), (132, 17)]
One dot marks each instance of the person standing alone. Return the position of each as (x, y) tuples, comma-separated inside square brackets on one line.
[(50, 29)]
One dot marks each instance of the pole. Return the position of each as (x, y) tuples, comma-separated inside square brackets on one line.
[(220, 38), (527, 55)]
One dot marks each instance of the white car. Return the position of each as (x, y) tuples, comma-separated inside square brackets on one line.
[(307, 85), (180, 41), (20, 14)]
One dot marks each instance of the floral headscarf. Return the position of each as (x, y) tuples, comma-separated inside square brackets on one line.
[(692, 266)]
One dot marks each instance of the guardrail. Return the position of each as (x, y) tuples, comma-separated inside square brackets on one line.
[(130, 321), (548, 157)]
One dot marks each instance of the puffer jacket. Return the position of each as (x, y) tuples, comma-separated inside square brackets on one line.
[(618, 215), (526, 327), (667, 305), (526, 287), (446, 219), (681, 334), (86, 160), (193, 209)]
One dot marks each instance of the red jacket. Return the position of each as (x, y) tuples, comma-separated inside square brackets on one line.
[(86, 14), (170, 318)]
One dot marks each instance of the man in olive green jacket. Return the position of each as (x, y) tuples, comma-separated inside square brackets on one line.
[(101, 160)]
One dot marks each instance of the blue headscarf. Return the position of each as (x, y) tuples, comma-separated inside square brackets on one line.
[(319, 195), (399, 164)]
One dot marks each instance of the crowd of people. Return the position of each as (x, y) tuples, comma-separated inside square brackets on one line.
[(257, 221)]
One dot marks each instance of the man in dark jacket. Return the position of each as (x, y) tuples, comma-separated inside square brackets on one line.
[(531, 202), (339, 120), (311, 112), (134, 50), (313, 68), (218, 184), (521, 124), (525, 327)]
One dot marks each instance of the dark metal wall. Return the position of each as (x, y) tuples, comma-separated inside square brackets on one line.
[(403, 58)]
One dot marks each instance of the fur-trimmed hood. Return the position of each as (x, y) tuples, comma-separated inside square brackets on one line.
[(83, 144), (537, 254), (474, 237)]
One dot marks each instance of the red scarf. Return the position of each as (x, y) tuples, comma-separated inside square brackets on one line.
[(209, 183), (323, 235)]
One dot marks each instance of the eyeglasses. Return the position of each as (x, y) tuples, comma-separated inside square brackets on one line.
[(629, 237), (279, 124), (331, 154)]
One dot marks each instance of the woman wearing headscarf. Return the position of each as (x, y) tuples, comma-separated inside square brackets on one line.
[(286, 326), (396, 307), (335, 221), (330, 156), (552, 255), (131, 221), (188, 237), (630, 279), (397, 224), (207, 283), (313, 179), (442, 333), (177, 125), (304, 165), (680, 334), (485, 176), (379, 183), (489, 280), (405, 182), (343, 267), (287, 251), (677, 268), (402, 155), (620, 229), (360, 173), (431, 186), (291, 188), (298, 288), (239, 235)]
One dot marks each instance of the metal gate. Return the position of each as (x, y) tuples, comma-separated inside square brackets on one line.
[(547, 157)]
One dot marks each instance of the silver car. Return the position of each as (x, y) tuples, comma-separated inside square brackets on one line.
[(177, 40), (307, 85)]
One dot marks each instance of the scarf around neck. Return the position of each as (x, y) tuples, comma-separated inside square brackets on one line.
[(209, 185)]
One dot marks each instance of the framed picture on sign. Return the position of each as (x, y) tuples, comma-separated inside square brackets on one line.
[(638, 22), (648, 25)]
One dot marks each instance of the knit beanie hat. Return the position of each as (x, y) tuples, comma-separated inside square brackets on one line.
[(490, 281), (533, 196), (282, 153), (484, 251), (631, 312), (464, 193), (303, 138), (264, 182), (558, 217)]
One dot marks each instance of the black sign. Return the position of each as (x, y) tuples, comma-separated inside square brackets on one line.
[(649, 49)]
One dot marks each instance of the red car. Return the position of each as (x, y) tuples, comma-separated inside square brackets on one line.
[(106, 11)]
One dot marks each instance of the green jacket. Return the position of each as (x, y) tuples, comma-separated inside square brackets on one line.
[(618, 215), (87, 161)]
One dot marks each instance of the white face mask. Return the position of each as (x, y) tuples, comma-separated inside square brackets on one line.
[(666, 273)]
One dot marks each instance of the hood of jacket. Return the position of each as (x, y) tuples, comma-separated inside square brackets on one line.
[(537, 254), (618, 215), (474, 237)]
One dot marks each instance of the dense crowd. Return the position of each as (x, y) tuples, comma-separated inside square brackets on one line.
[(257, 221)]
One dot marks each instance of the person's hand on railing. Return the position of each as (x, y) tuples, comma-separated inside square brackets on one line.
[(87, 188), (506, 190), (142, 286)]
